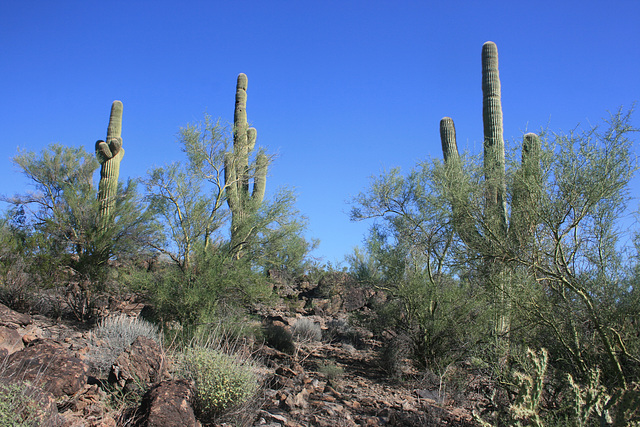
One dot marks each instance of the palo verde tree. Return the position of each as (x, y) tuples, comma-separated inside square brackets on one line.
[(73, 225), (544, 229), (189, 197), (62, 225)]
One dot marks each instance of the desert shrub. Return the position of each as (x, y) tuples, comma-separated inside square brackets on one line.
[(330, 370), (339, 330), (394, 355), (306, 330), (16, 406), (279, 338), (222, 381), (113, 335)]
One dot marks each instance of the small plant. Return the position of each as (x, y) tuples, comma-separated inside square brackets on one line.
[(330, 370), (339, 330), (306, 330), (394, 355), (17, 408), (588, 400), (531, 384), (113, 335), (279, 338), (222, 381)]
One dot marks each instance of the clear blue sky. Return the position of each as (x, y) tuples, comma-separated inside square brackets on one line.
[(340, 90)]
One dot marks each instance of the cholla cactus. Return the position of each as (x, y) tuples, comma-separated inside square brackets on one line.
[(239, 172), (109, 154)]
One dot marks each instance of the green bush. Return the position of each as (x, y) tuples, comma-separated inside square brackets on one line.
[(279, 338), (330, 370), (221, 381), (16, 407)]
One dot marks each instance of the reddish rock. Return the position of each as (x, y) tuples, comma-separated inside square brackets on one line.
[(8, 316), (48, 365), (170, 403), (142, 363), (10, 340)]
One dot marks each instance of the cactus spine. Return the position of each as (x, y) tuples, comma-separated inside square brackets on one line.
[(239, 172), (109, 154), (494, 234)]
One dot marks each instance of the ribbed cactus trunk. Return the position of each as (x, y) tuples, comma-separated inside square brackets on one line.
[(109, 154), (494, 163), (495, 210), (242, 202), (495, 234)]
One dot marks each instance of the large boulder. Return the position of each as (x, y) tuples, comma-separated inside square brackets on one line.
[(10, 341), (169, 403), (139, 366), (340, 292), (10, 317), (49, 365)]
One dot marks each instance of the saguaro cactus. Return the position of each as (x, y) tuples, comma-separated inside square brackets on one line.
[(494, 234), (494, 167), (109, 154), (239, 172)]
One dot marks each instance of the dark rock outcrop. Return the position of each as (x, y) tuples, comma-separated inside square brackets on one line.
[(139, 366), (48, 365), (10, 317), (169, 403)]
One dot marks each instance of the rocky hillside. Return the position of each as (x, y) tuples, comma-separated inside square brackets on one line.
[(315, 369)]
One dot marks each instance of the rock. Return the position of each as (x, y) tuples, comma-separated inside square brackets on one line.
[(8, 316), (142, 364), (300, 400), (10, 340), (169, 403), (48, 365)]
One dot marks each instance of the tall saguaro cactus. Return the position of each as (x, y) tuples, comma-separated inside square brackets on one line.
[(109, 154), (239, 172), (494, 162), (494, 234)]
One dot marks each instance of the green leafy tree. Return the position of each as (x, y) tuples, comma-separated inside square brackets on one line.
[(413, 254), (59, 219), (190, 200), (572, 277)]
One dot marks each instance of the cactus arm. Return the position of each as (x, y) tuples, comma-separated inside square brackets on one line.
[(260, 178), (526, 194), (463, 221), (448, 141), (231, 182)]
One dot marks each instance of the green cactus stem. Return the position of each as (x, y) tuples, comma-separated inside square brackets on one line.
[(109, 154), (494, 233), (494, 162), (526, 194), (239, 173)]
